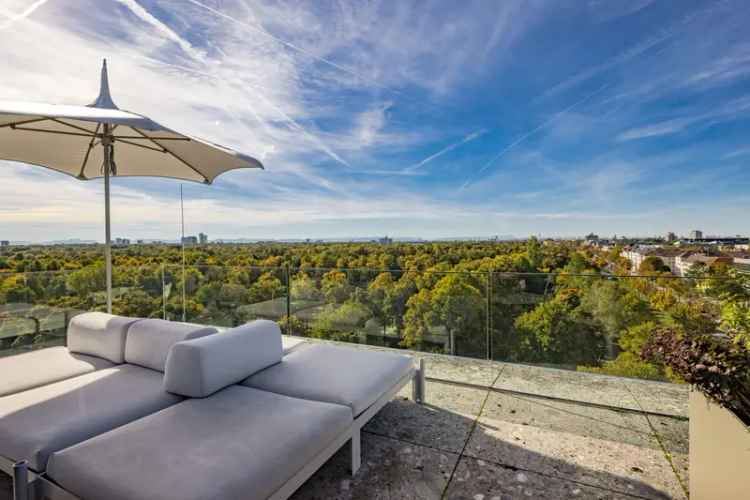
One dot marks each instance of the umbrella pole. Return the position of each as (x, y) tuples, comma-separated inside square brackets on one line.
[(106, 142)]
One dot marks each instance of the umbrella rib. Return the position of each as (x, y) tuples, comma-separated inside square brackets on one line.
[(130, 143), (59, 132), (141, 138), (88, 151), (14, 124), (75, 126), (173, 154)]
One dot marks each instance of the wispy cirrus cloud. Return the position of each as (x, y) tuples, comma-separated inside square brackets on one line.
[(732, 110)]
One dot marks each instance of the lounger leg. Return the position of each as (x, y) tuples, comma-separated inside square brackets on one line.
[(418, 384), (356, 451), (21, 480)]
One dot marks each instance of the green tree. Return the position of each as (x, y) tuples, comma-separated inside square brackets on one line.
[(460, 307), (555, 332)]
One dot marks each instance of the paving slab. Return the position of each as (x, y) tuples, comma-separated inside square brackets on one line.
[(567, 384), (580, 419), (660, 397), (390, 470), (444, 422), (479, 480), (674, 435), (466, 370), (612, 450)]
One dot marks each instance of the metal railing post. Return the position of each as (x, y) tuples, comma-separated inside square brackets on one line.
[(21, 480), (489, 315), (163, 293), (288, 299), (419, 383)]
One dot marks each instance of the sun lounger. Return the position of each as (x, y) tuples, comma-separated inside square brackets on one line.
[(37, 422), (96, 342), (227, 441)]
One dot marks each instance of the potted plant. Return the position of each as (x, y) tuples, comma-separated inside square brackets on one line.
[(718, 368)]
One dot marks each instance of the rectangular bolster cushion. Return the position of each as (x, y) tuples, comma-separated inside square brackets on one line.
[(198, 368), (150, 340), (99, 334)]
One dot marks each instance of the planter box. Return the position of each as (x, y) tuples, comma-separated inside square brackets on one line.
[(719, 452)]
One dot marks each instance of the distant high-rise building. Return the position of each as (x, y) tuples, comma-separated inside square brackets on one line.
[(385, 240), (189, 240), (695, 234), (203, 238), (122, 241), (4, 243), (671, 237)]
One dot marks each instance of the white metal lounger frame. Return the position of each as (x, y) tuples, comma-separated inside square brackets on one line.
[(28, 485)]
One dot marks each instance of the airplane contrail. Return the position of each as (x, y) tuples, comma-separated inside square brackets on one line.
[(144, 15), (450, 147), (530, 133), (23, 15)]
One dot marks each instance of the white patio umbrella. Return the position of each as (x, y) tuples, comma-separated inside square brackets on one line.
[(100, 140)]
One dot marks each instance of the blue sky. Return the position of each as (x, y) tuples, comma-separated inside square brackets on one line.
[(431, 119)]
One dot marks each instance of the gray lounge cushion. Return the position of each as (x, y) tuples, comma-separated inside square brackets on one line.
[(99, 334), (35, 423), (238, 443), (45, 366), (150, 340), (198, 368), (351, 377)]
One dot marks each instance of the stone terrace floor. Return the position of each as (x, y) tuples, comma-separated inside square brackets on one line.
[(498, 431)]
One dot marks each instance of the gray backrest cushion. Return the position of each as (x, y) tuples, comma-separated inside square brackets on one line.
[(150, 340), (199, 368), (99, 334)]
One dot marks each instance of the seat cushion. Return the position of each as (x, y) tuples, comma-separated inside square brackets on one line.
[(351, 377), (39, 421), (45, 366), (198, 368), (150, 340), (99, 334), (238, 443)]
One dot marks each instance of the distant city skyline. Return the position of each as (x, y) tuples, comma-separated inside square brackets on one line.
[(202, 239), (521, 118)]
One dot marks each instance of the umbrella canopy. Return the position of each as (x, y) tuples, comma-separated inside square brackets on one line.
[(101, 140), (65, 138)]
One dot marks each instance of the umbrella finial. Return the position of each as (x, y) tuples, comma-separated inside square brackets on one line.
[(105, 99)]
